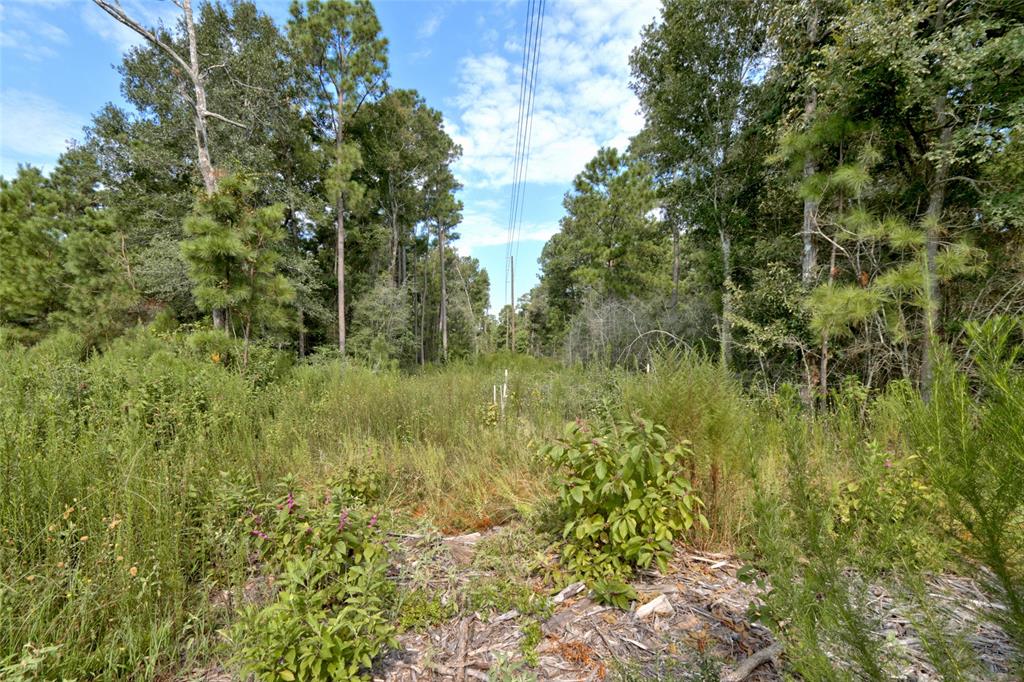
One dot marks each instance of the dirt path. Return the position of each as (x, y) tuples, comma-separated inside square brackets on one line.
[(691, 623)]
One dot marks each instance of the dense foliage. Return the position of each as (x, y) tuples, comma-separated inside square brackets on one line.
[(328, 619), (625, 496), (349, 194), (803, 282), (835, 191)]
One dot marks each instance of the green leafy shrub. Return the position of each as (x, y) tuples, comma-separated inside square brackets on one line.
[(625, 497), (329, 618)]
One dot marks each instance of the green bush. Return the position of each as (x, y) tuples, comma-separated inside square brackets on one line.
[(329, 618), (625, 497)]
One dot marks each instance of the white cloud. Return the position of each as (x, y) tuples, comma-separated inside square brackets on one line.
[(34, 129), (583, 100), (482, 229), (29, 35), (430, 26)]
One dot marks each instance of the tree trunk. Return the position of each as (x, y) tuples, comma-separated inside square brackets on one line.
[(675, 264), (443, 322), (808, 261), (393, 265), (202, 136), (201, 113), (339, 207), (302, 333), (423, 316), (340, 264), (823, 370), (933, 230), (726, 328)]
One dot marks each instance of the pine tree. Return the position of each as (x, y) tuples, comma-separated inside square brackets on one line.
[(232, 257), (343, 61), (31, 250)]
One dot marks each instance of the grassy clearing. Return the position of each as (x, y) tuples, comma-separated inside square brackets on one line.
[(126, 475)]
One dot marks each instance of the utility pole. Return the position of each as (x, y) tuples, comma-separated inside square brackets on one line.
[(512, 270)]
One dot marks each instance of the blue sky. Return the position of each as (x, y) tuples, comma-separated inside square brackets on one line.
[(56, 69)]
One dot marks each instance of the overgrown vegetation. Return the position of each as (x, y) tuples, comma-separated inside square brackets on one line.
[(626, 498), (786, 321), (141, 481)]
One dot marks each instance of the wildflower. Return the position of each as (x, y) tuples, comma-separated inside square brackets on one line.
[(114, 523), (260, 534), (134, 571), (373, 521), (84, 538), (68, 511), (291, 502), (342, 520), (215, 357), (119, 558), (30, 578), (888, 464)]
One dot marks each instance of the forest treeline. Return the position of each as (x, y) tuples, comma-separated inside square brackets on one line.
[(253, 164), (821, 189)]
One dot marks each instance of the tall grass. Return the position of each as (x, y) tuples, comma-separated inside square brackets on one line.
[(122, 476)]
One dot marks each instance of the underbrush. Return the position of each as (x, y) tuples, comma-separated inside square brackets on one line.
[(128, 479)]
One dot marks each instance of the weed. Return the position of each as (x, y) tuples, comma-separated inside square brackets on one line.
[(419, 610), (532, 636), (625, 497), (329, 618)]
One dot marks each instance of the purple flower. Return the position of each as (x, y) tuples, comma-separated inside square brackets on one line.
[(291, 502), (260, 534), (888, 464), (373, 521), (342, 520)]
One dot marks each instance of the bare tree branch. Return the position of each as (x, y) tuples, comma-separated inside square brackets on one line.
[(114, 9), (219, 117)]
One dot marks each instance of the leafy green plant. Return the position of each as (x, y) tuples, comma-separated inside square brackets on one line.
[(498, 595), (418, 610), (625, 497), (532, 636), (329, 618)]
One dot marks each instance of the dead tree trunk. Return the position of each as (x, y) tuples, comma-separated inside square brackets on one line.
[(190, 68), (675, 264), (443, 321)]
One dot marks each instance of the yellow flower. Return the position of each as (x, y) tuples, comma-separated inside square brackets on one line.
[(215, 357), (114, 523), (67, 512), (134, 571), (84, 538)]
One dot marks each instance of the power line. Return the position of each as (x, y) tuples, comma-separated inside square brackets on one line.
[(529, 129), (524, 129), (517, 154)]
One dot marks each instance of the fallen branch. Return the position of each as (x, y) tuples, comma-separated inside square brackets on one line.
[(748, 665)]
